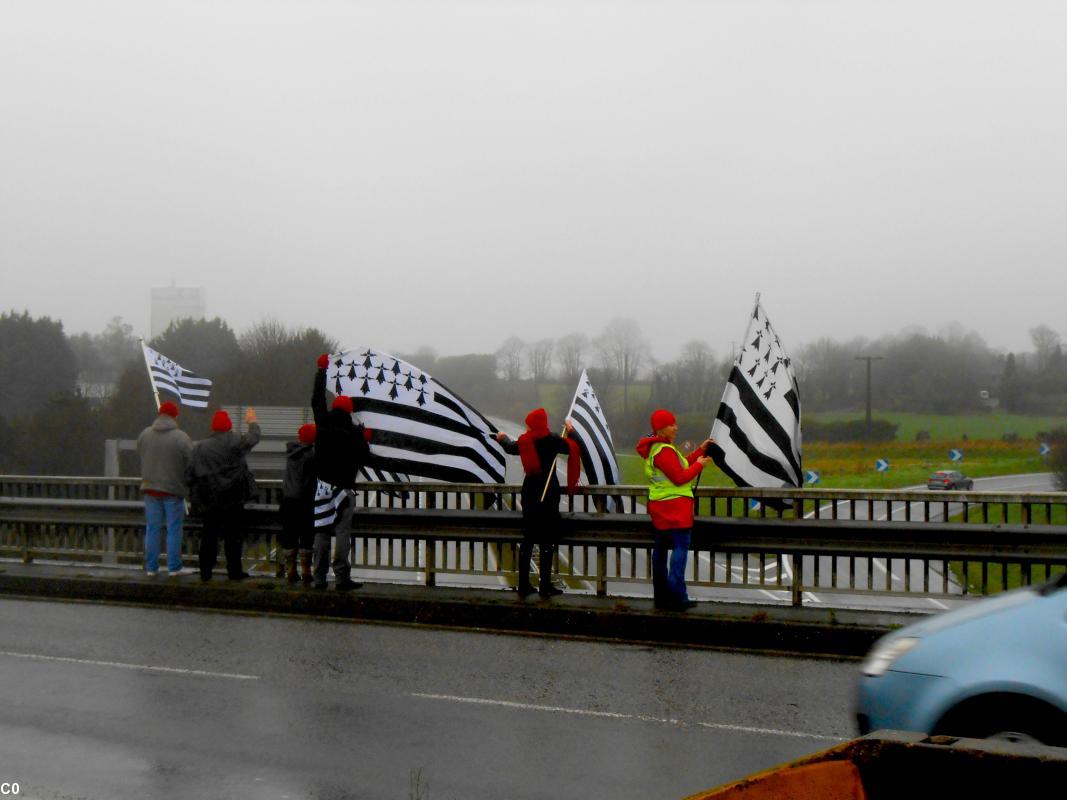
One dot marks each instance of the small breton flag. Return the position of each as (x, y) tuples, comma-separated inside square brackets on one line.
[(170, 376), (757, 428), (329, 500), (592, 433)]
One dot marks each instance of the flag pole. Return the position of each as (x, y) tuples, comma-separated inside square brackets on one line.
[(548, 478), (151, 380)]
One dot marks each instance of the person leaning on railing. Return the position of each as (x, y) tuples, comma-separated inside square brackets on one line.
[(670, 477)]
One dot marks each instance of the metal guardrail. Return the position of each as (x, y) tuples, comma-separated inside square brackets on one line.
[(428, 530)]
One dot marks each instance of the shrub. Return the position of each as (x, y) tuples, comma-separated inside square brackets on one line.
[(852, 430)]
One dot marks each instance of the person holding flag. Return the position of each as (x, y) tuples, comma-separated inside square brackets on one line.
[(538, 448), (165, 451), (671, 476)]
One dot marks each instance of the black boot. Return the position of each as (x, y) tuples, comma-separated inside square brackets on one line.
[(525, 554), (544, 585)]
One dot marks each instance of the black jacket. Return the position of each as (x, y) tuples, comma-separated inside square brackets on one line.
[(340, 449), (301, 476), (218, 474), (548, 447)]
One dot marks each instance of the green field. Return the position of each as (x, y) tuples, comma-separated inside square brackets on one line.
[(974, 426)]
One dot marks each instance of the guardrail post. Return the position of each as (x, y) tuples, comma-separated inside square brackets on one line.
[(24, 540), (431, 561), (601, 571), (798, 581)]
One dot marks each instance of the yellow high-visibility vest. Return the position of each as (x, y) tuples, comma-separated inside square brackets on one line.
[(660, 487)]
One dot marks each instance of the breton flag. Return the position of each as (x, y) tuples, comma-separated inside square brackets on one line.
[(170, 376), (757, 429), (592, 433), (420, 427), (329, 500)]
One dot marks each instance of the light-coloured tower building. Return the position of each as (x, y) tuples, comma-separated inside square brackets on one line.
[(171, 303)]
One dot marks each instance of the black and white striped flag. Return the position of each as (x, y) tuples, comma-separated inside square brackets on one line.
[(591, 431), (757, 429), (329, 500), (420, 427), (170, 376)]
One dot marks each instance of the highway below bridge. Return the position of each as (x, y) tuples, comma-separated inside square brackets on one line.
[(128, 702)]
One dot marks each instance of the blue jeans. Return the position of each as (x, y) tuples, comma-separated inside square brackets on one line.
[(668, 578), (159, 511)]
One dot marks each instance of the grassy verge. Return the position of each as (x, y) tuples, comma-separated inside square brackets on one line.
[(958, 428)]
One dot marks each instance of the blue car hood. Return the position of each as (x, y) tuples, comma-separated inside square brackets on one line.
[(983, 608)]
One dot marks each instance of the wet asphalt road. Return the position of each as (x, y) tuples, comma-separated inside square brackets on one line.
[(118, 702)]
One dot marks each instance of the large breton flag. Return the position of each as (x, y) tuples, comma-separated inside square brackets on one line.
[(757, 429), (591, 431), (419, 426), (170, 376)]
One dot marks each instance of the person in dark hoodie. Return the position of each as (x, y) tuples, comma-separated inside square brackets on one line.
[(538, 448), (297, 507), (670, 504), (220, 484), (340, 450), (164, 450)]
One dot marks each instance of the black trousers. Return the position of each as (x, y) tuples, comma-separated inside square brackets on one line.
[(226, 524), (298, 524)]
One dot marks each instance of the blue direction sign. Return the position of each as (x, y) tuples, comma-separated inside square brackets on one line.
[(955, 455), (811, 476), (753, 504), (881, 465), (1044, 449)]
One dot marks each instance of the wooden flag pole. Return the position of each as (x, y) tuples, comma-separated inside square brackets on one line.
[(151, 380), (548, 478)]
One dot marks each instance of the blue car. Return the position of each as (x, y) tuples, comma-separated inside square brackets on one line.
[(996, 669)]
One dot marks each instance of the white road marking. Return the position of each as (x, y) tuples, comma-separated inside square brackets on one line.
[(120, 665), (938, 603), (483, 701)]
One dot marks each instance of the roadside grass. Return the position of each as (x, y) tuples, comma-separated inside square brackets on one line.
[(994, 425), (852, 466)]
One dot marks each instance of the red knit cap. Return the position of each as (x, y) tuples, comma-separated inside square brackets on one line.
[(343, 402), (537, 422), (169, 409), (306, 433), (661, 418), (221, 422)]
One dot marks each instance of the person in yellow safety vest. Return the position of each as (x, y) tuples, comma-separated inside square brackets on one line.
[(670, 504)]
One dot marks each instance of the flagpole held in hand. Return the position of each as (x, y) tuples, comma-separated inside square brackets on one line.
[(151, 380), (548, 478)]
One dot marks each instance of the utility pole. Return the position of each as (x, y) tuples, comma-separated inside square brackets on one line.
[(868, 359)]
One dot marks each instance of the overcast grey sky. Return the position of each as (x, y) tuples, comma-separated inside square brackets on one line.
[(449, 173)]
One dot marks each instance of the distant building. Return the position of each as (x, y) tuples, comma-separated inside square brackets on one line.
[(171, 303)]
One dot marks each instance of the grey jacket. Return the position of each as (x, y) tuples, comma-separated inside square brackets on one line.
[(165, 451)]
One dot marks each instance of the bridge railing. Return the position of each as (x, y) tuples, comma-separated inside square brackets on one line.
[(423, 531)]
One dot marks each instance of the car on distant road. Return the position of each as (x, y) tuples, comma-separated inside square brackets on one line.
[(949, 479), (996, 669)]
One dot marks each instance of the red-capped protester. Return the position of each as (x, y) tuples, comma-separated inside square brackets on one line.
[(297, 507), (340, 450), (542, 524), (671, 476), (220, 483)]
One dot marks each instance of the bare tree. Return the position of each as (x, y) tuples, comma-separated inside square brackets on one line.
[(623, 350), (570, 350), (1045, 342), (509, 358), (539, 357)]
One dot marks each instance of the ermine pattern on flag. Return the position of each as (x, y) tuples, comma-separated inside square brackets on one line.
[(757, 428), (418, 425), (170, 376), (592, 433)]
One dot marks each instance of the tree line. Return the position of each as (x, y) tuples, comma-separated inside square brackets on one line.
[(61, 396)]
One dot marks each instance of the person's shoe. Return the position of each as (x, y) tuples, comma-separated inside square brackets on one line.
[(240, 576), (550, 591), (307, 580), (205, 577), (319, 586), (525, 591), (347, 585), (179, 571), (151, 573)]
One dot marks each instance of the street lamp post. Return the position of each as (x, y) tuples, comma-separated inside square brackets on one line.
[(868, 359)]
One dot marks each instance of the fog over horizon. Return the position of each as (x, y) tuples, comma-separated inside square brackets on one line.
[(448, 174)]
